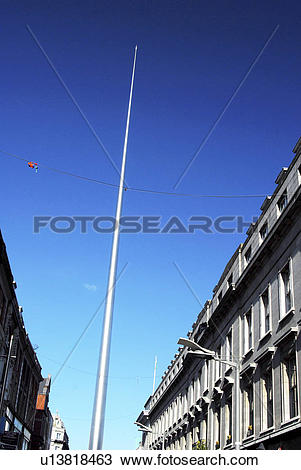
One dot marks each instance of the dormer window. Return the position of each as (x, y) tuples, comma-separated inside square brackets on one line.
[(248, 255), (263, 231), (282, 203), (230, 280)]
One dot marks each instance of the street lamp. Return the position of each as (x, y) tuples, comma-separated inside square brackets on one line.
[(147, 429), (199, 351)]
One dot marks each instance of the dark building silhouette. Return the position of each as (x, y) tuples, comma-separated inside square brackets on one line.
[(20, 370)]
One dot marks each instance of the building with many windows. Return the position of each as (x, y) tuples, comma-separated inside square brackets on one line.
[(253, 320)]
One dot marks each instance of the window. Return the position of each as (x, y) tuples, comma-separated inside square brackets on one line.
[(2, 307), (197, 387), (188, 440), (265, 313), (170, 414), (9, 420), (266, 397), (58, 436), (186, 401), (248, 333), (170, 418), (263, 231), (248, 256), (249, 407), (218, 364), (191, 394), (217, 427), (204, 425), (289, 388), (174, 414), (7, 426), (230, 280), (228, 346), (163, 421), (205, 374), (282, 203), (228, 420), (219, 298), (17, 425), (285, 290), (25, 444), (180, 406)]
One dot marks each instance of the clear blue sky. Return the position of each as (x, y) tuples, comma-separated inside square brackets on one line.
[(192, 55)]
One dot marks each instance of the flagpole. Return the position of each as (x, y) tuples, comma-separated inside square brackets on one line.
[(155, 370), (98, 417)]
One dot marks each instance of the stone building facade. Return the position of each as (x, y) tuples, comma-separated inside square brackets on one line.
[(59, 436), (253, 320)]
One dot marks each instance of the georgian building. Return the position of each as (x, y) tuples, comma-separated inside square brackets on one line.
[(59, 436), (20, 371), (254, 321)]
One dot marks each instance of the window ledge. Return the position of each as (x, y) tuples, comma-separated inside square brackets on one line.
[(228, 370), (248, 353), (228, 446), (268, 333), (267, 431), (287, 314), (290, 422), (249, 438), (293, 330)]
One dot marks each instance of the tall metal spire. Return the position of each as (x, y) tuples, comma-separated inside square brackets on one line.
[(97, 426)]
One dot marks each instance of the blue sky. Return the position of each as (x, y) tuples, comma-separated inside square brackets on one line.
[(192, 56)]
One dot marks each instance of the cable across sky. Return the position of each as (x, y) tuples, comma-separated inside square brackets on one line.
[(132, 188)]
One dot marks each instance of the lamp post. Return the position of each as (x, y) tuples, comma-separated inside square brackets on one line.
[(199, 351), (147, 429)]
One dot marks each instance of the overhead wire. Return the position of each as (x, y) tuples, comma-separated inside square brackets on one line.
[(57, 170), (136, 189), (84, 371)]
